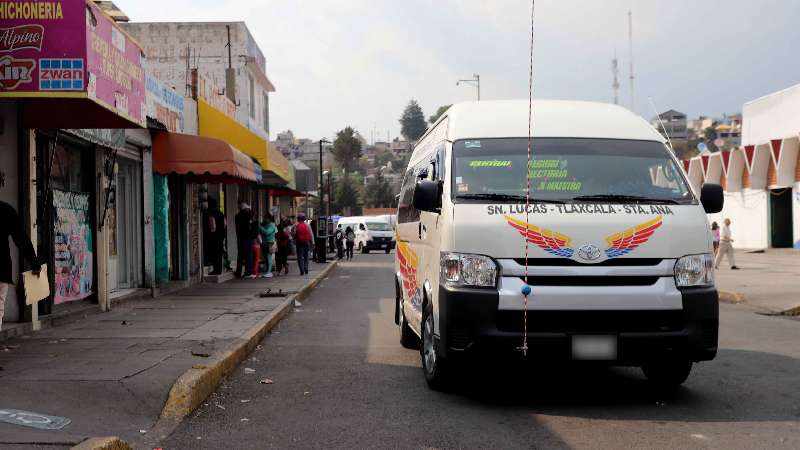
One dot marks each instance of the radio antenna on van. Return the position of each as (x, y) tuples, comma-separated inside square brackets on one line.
[(526, 290), (663, 128)]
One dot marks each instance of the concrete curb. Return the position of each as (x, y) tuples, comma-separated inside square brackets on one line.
[(103, 443), (731, 297), (195, 385), (192, 388)]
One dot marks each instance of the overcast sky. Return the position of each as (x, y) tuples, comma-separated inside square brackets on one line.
[(358, 62)]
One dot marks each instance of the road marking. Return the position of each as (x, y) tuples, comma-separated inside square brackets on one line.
[(33, 420)]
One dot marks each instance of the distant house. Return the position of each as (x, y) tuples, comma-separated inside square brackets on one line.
[(674, 125)]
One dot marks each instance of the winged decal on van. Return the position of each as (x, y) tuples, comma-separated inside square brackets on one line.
[(557, 244), (554, 243), (625, 242)]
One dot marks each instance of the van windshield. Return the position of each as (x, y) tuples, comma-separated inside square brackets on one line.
[(378, 226), (567, 170)]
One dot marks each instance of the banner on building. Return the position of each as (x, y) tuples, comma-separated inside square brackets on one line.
[(165, 105), (70, 49), (73, 248)]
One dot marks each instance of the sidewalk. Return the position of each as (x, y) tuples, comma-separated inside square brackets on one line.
[(111, 373), (769, 281)]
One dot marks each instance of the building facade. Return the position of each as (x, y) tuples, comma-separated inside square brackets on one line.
[(761, 178)]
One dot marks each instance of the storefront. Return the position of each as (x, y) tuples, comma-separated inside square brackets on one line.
[(75, 81), (186, 166)]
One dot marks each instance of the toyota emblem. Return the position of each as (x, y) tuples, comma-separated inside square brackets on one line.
[(589, 252)]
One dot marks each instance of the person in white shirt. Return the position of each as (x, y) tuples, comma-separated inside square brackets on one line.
[(725, 246)]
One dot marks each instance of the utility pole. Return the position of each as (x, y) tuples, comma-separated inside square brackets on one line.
[(615, 71), (476, 82), (630, 45), (322, 255)]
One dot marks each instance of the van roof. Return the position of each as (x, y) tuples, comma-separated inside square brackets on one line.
[(551, 118)]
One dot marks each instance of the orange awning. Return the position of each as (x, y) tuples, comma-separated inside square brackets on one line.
[(209, 159)]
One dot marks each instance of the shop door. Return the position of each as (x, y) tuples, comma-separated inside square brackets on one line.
[(780, 207), (128, 227)]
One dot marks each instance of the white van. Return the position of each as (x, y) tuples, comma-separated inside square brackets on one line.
[(615, 243), (372, 233)]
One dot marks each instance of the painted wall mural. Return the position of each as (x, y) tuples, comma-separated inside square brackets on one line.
[(73, 246)]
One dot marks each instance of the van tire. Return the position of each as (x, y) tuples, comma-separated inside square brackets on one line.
[(388, 250), (667, 374), (407, 337), (434, 366)]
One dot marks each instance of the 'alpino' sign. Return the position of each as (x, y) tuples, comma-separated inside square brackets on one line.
[(70, 49)]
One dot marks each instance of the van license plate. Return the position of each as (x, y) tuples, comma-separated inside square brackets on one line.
[(594, 348)]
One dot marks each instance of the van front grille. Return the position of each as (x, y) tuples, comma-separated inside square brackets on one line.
[(564, 262), (591, 280)]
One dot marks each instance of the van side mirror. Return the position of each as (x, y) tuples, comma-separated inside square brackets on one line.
[(712, 198), (428, 196)]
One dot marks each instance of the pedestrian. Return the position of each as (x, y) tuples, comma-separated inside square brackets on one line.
[(350, 236), (268, 246), (725, 246), (282, 241), (314, 247), (217, 229), (339, 241), (245, 236), (11, 226), (303, 239), (715, 234)]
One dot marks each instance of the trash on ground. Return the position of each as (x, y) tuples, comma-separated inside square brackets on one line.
[(307, 393), (199, 366), (201, 353), (245, 400), (297, 304), (219, 406), (249, 370), (266, 381), (244, 419), (143, 431)]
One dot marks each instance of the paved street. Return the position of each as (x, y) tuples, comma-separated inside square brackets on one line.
[(341, 380), (767, 280)]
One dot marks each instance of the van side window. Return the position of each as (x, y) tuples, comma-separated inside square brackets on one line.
[(405, 209)]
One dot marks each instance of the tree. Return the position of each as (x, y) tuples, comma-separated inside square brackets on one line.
[(347, 149), (413, 124), (442, 109), (345, 199), (378, 193), (710, 134)]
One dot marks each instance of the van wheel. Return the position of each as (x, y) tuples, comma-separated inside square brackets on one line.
[(388, 250), (434, 366), (667, 374), (407, 337)]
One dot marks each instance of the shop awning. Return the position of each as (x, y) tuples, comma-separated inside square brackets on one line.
[(286, 192), (216, 124), (206, 159)]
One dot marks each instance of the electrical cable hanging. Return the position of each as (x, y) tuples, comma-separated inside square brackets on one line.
[(526, 289)]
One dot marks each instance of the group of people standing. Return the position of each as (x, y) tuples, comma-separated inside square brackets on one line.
[(345, 242), (263, 247)]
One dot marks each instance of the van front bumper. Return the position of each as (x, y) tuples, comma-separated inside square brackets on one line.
[(470, 323)]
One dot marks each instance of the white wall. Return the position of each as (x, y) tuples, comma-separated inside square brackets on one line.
[(774, 116), (749, 214), (796, 214), (9, 192)]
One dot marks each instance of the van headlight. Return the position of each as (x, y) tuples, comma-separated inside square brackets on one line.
[(695, 270), (462, 269)]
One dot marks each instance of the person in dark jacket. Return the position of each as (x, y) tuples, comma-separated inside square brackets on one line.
[(216, 227), (11, 226), (246, 232)]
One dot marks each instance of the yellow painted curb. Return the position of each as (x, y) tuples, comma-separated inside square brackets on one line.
[(103, 443), (192, 388), (730, 297)]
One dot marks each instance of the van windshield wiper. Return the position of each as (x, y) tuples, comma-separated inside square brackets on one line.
[(624, 199), (507, 197)]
